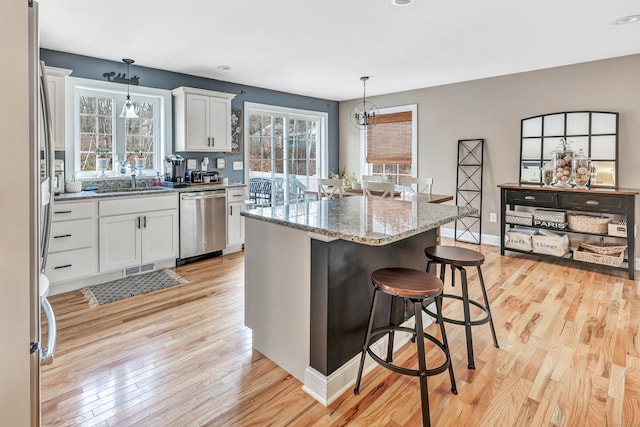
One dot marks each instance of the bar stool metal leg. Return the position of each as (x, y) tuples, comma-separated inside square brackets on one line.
[(392, 312), (486, 304), (467, 319), (356, 389), (443, 332), (422, 364)]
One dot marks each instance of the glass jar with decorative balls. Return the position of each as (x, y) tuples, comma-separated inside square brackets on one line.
[(562, 158), (581, 170)]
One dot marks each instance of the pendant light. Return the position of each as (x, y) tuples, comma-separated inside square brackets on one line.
[(128, 110), (364, 114)]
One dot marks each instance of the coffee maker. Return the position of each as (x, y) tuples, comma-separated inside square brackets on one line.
[(174, 171)]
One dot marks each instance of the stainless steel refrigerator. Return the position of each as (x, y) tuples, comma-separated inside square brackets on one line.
[(41, 170)]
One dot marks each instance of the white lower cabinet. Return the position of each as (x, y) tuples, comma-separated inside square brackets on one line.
[(235, 222), (138, 231), (73, 252), (120, 238)]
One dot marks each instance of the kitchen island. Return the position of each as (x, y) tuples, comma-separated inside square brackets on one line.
[(307, 278)]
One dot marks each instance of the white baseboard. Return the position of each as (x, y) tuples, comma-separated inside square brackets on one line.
[(233, 249), (326, 389), (485, 239)]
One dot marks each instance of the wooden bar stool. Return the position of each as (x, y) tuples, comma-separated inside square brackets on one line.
[(458, 259), (415, 286)]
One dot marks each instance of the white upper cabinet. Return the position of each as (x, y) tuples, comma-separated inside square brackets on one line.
[(55, 83), (202, 119)]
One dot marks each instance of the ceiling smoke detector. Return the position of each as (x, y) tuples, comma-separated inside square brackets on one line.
[(401, 2)]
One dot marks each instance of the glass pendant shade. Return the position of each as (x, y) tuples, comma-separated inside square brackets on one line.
[(128, 110)]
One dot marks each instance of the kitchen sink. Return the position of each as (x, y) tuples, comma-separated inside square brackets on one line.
[(133, 190)]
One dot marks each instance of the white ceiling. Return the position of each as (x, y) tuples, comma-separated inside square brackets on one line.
[(321, 48)]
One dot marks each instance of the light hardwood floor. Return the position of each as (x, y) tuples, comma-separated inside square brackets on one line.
[(569, 356)]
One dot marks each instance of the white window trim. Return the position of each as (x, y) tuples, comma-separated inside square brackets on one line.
[(322, 149), (366, 167), (71, 118)]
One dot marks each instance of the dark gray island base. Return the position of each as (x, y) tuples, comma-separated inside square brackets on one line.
[(307, 279), (341, 293)]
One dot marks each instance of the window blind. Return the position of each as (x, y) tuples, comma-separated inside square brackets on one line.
[(389, 140)]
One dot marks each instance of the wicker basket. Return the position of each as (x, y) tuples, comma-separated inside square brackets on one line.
[(603, 248), (589, 223), (614, 260)]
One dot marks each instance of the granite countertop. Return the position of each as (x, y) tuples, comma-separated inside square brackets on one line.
[(371, 221), (84, 195)]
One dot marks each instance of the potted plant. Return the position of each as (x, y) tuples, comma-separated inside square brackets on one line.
[(139, 158), (73, 185), (346, 183), (355, 182), (102, 159)]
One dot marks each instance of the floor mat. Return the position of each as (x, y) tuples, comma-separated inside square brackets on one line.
[(131, 286)]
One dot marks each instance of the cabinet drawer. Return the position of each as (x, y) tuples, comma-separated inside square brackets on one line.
[(68, 235), (593, 202), (68, 265), (123, 206), (547, 199), (73, 210), (235, 195)]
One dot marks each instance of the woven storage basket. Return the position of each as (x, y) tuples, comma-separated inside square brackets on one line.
[(603, 248), (589, 223), (614, 260)]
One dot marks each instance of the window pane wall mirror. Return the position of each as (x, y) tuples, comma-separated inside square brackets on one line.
[(595, 132)]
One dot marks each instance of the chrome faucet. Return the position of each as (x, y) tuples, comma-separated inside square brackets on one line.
[(133, 180)]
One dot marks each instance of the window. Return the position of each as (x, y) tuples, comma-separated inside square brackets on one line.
[(286, 151), (389, 147), (100, 132)]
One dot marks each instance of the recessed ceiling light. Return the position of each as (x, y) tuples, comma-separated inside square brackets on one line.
[(224, 67), (401, 2), (627, 19)]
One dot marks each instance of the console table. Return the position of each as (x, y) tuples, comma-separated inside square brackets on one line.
[(616, 203)]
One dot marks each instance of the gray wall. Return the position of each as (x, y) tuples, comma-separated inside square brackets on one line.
[(492, 109), (92, 68)]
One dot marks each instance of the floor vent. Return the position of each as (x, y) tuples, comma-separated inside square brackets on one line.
[(139, 269), (147, 267)]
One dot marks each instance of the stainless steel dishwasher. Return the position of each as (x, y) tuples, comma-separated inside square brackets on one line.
[(203, 223)]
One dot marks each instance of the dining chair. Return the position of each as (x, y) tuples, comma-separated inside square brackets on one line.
[(423, 185), (382, 189), (329, 188), (371, 178)]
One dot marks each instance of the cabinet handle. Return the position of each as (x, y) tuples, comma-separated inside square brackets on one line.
[(230, 210), (62, 212), (213, 141), (62, 266), (592, 202), (209, 141), (61, 236), (138, 222), (145, 222), (529, 197)]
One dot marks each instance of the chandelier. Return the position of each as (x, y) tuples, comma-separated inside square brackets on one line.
[(364, 114)]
